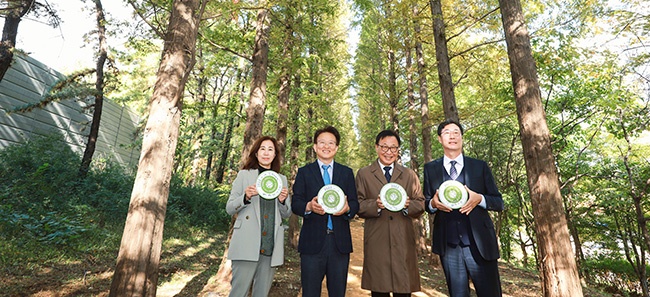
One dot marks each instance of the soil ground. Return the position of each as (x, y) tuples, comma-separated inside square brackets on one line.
[(189, 269), (515, 282)]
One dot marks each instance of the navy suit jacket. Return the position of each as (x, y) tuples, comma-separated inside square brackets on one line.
[(479, 179), (314, 226)]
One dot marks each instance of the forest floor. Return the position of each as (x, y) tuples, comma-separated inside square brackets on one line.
[(515, 282), (189, 269)]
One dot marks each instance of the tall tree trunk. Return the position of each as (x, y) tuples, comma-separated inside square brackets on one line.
[(89, 151), (136, 271), (231, 115), (411, 108), (558, 268), (427, 155), (424, 95), (196, 141), (393, 99), (418, 224), (442, 56), (294, 220), (285, 83), (17, 9), (257, 103)]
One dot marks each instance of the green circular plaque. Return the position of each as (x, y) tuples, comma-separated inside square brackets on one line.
[(269, 184), (453, 194)]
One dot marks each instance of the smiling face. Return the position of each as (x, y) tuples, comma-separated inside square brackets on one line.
[(325, 147), (266, 154), (451, 139), (387, 150)]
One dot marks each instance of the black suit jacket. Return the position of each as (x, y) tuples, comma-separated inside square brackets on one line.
[(478, 178), (314, 226)]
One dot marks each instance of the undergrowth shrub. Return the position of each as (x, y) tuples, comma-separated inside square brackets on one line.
[(615, 275), (197, 206), (44, 204)]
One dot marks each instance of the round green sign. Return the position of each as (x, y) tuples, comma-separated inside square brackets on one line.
[(269, 184)]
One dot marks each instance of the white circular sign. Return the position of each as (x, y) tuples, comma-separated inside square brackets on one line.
[(393, 196), (331, 198), (269, 184), (453, 194)]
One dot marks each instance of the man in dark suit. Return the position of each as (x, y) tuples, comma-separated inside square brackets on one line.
[(465, 238), (325, 242)]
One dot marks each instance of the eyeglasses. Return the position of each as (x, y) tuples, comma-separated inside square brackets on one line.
[(385, 148), (450, 132), (323, 144)]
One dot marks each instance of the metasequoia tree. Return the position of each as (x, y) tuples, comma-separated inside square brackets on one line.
[(424, 95), (285, 80), (89, 151), (136, 271), (558, 269), (442, 57), (257, 103)]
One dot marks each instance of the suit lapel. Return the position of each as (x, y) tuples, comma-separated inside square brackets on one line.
[(466, 170), (378, 172), (337, 171), (253, 173), (397, 171), (438, 172), (315, 170)]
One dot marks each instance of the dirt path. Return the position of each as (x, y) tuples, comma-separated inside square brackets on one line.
[(356, 267)]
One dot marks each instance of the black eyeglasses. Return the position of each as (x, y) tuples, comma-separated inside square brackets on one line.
[(385, 148)]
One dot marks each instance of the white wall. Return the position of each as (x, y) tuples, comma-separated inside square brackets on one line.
[(27, 81)]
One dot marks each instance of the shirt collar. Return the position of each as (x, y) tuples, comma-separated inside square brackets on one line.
[(459, 160), (382, 165), (320, 164)]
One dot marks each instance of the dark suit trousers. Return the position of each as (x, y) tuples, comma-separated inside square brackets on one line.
[(328, 262), (459, 263)]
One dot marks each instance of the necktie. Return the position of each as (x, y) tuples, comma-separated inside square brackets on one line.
[(326, 175), (327, 181), (452, 171), (387, 173)]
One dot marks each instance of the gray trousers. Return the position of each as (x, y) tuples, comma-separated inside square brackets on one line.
[(259, 274)]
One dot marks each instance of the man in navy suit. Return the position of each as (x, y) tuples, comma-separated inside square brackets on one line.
[(325, 243), (465, 238)]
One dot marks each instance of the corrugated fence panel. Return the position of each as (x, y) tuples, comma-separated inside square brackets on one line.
[(27, 81)]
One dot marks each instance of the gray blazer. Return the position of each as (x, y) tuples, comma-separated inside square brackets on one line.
[(246, 238)]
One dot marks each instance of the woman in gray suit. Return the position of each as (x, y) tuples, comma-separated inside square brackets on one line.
[(257, 243)]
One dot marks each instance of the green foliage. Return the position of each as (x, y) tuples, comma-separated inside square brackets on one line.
[(46, 211), (615, 274), (198, 206)]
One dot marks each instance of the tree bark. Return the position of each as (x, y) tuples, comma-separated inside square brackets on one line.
[(427, 155), (442, 57), (294, 220), (136, 271), (257, 103), (393, 99), (418, 224), (89, 151), (285, 84), (558, 269)]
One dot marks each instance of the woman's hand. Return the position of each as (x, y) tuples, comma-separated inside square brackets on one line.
[(250, 192), (283, 195)]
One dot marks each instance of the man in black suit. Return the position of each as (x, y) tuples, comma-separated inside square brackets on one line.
[(465, 238), (325, 243)]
